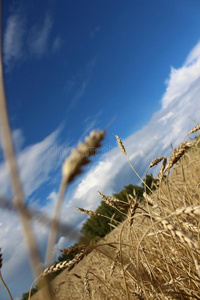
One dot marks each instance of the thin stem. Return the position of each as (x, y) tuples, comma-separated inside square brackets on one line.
[(30, 290), (40, 218), (121, 259), (138, 175), (9, 154), (5, 285), (90, 272), (55, 224)]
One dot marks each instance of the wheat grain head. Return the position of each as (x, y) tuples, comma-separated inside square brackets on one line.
[(177, 154), (80, 156)]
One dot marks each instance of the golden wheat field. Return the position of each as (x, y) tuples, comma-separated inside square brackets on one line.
[(155, 252)]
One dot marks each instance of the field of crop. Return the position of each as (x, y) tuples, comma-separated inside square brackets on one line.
[(155, 252)]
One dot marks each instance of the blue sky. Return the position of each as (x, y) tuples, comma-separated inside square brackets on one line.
[(79, 65)]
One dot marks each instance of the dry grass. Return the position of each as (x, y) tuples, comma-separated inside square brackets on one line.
[(155, 253)]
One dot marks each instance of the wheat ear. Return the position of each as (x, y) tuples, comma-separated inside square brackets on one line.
[(93, 213), (89, 212), (177, 154), (71, 168), (59, 266), (65, 264), (193, 130), (189, 210), (108, 200), (155, 161), (120, 144), (111, 200), (197, 266), (180, 234), (73, 249), (131, 212), (150, 200), (189, 226)]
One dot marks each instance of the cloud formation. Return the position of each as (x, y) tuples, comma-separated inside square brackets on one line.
[(13, 38), (30, 160), (24, 40), (179, 105), (80, 84), (39, 35)]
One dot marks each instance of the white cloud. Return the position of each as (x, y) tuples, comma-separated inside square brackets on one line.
[(61, 244), (30, 160), (57, 44), (52, 196), (79, 93), (166, 117), (22, 39), (82, 84), (193, 55), (39, 35), (169, 125), (13, 38), (182, 81), (18, 139)]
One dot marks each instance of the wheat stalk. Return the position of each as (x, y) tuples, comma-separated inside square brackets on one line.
[(162, 169), (71, 168), (87, 286), (40, 218), (123, 150), (1, 277), (9, 154)]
